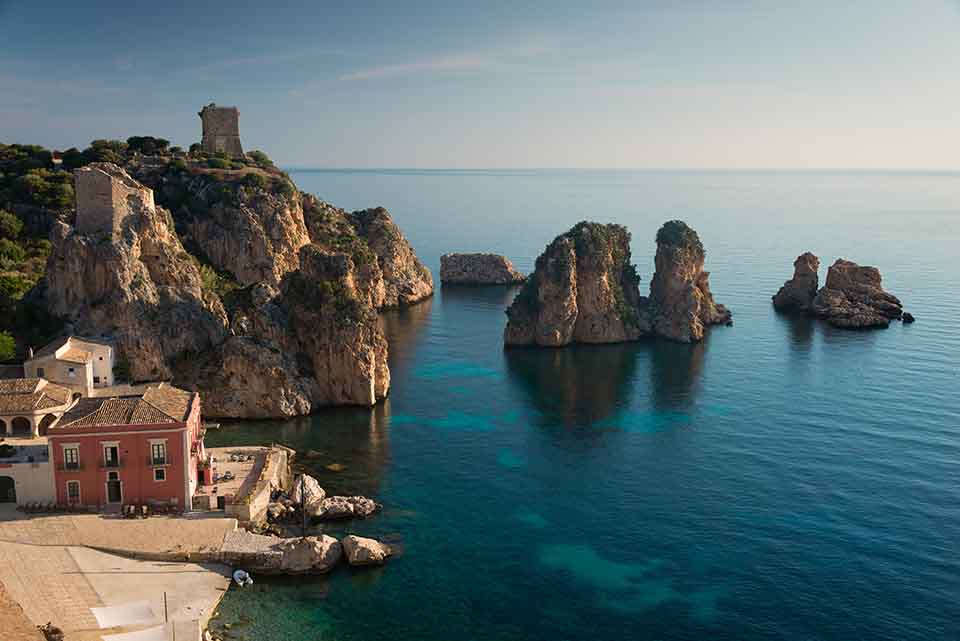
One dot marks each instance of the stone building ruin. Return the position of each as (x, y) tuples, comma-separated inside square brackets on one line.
[(106, 195), (221, 130)]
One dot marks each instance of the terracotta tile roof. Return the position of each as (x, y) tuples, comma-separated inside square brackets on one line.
[(158, 405), (75, 355), (30, 394)]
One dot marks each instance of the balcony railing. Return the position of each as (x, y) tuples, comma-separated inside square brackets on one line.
[(69, 467), (111, 464), (155, 461)]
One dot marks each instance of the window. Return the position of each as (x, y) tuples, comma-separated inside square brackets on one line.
[(158, 453), (71, 458), (72, 373), (40, 372), (73, 492), (101, 358), (96, 380), (159, 474), (111, 456)]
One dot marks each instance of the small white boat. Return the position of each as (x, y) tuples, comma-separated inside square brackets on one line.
[(241, 578)]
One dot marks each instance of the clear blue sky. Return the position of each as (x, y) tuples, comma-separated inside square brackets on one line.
[(733, 84)]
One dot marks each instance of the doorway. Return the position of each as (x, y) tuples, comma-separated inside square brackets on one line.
[(8, 490), (114, 488)]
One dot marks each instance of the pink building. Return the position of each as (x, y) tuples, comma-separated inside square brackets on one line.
[(142, 449)]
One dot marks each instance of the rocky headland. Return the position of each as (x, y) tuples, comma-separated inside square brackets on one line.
[(852, 297), (478, 269), (232, 282), (585, 290)]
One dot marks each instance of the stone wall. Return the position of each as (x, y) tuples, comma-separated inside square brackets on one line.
[(104, 194), (221, 130), (275, 474)]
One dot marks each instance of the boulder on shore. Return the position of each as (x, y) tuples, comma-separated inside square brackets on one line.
[(312, 492), (478, 269), (335, 508), (681, 304), (363, 551), (853, 297), (310, 554), (797, 294)]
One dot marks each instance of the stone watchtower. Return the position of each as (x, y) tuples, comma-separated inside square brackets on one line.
[(106, 195), (221, 130)]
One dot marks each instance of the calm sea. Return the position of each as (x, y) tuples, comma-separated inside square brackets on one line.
[(781, 480)]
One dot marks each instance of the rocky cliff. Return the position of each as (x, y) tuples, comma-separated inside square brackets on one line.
[(584, 289), (681, 304), (139, 286), (478, 269), (854, 297), (268, 307), (797, 294)]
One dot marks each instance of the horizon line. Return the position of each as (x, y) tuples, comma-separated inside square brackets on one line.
[(862, 170)]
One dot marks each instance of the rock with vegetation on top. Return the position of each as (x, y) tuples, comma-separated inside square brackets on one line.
[(364, 551), (797, 294), (584, 290), (681, 304), (853, 297), (478, 269), (309, 555)]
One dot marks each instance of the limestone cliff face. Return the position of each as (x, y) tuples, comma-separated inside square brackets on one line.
[(296, 329), (854, 297), (387, 270), (583, 289), (681, 304), (797, 294), (137, 285)]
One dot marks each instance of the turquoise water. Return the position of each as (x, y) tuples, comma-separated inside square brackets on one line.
[(781, 480)]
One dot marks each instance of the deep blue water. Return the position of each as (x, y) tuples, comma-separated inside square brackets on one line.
[(781, 480)]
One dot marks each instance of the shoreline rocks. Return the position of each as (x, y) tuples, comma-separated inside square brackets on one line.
[(360, 551), (852, 297), (478, 269), (297, 556), (585, 290)]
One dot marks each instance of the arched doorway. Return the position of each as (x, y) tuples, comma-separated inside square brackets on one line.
[(21, 426), (3, 427), (8, 490), (45, 423)]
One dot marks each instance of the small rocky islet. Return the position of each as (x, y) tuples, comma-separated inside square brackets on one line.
[(585, 290), (478, 269), (852, 297)]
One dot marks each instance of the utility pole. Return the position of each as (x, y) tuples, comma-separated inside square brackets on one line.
[(303, 507)]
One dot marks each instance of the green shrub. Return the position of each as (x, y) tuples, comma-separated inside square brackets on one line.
[(12, 251), (147, 145), (255, 181), (260, 158), (219, 163), (72, 159), (8, 347), (179, 164), (10, 225)]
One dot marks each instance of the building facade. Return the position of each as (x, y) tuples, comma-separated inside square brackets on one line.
[(221, 130), (145, 449), (81, 364)]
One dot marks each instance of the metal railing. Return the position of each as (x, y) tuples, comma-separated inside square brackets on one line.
[(111, 464), (155, 461), (70, 467)]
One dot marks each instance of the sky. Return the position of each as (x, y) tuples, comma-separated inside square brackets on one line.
[(723, 84)]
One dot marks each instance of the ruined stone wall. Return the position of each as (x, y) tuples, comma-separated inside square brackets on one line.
[(221, 130), (106, 195)]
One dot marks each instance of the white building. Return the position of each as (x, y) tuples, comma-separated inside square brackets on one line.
[(81, 364)]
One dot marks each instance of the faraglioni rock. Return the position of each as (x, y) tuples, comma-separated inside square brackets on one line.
[(853, 297), (478, 269), (681, 304), (584, 289), (797, 294)]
